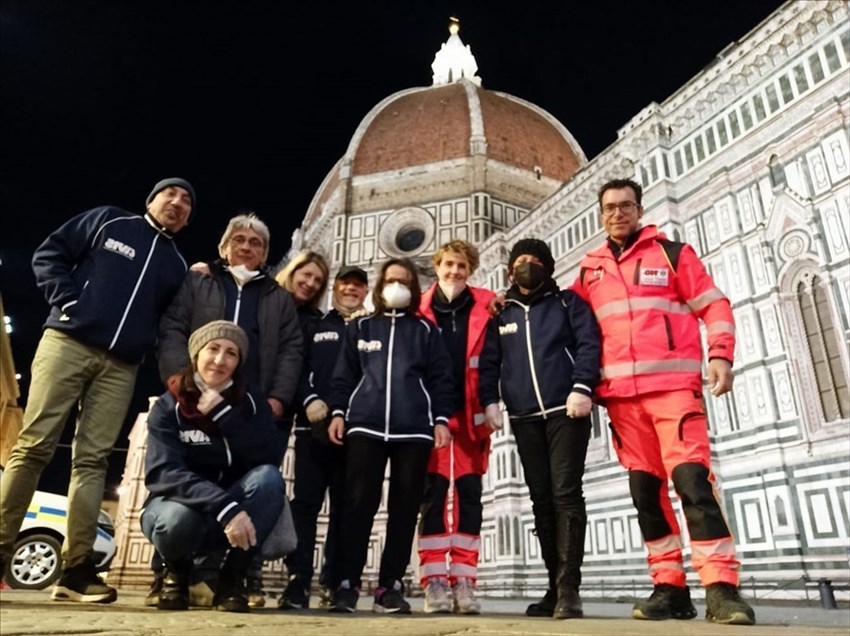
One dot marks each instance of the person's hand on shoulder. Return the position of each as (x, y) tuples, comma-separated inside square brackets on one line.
[(201, 268), (496, 304)]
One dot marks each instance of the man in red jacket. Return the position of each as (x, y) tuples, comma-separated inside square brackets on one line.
[(648, 295), (450, 524)]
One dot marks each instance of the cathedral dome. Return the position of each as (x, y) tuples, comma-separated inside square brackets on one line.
[(451, 141)]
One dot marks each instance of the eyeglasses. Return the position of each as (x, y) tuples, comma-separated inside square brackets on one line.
[(626, 207), (253, 242)]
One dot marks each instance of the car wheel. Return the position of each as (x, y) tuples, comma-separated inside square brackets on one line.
[(36, 562)]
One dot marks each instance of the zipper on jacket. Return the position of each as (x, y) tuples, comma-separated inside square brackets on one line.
[(637, 272), (133, 295), (531, 362), (389, 378), (238, 303), (670, 344)]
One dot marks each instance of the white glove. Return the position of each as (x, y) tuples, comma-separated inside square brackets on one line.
[(578, 404), (210, 398), (316, 411), (493, 417)]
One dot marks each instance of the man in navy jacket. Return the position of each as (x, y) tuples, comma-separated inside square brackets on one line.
[(108, 275)]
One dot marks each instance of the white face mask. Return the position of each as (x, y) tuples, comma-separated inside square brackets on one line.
[(242, 274), (396, 295), (452, 288)]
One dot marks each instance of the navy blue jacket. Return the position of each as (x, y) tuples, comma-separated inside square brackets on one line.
[(108, 275), (536, 354), (322, 343), (393, 379), (189, 465)]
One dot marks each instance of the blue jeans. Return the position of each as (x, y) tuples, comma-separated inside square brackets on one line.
[(178, 531)]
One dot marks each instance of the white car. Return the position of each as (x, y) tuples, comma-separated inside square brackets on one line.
[(36, 561)]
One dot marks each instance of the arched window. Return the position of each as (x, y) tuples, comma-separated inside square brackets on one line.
[(824, 348)]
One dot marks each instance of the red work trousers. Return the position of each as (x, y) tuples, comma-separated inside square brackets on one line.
[(661, 436)]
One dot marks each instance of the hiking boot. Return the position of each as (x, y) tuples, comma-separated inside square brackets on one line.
[(174, 594), (545, 606), (438, 599), (345, 598), (256, 596), (723, 604), (296, 595), (390, 600), (82, 584), (152, 599), (202, 593), (464, 597), (666, 601), (569, 603)]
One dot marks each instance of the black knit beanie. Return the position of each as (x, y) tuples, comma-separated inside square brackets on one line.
[(174, 181), (534, 247)]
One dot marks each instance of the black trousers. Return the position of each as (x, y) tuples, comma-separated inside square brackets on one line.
[(319, 468), (365, 463), (552, 452)]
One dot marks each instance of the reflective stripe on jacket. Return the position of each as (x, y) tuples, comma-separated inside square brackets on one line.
[(649, 312)]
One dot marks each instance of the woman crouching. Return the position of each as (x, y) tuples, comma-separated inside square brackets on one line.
[(211, 469)]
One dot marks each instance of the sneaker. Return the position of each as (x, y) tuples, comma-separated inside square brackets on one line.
[(723, 604), (666, 601), (438, 596), (202, 593), (390, 600), (464, 596), (152, 599), (82, 584), (296, 595), (545, 606), (345, 598), (256, 596)]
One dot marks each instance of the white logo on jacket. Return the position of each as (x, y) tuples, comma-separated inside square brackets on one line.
[(120, 248), (326, 336), (654, 276), (509, 328), (194, 436), (369, 345)]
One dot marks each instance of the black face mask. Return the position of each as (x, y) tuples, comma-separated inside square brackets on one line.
[(530, 275)]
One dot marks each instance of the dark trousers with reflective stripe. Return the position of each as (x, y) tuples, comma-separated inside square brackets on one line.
[(365, 464)]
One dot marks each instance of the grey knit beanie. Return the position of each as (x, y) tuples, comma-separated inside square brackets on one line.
[(218, 329)]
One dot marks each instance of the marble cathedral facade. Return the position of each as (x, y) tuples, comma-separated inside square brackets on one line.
[(749, 162)]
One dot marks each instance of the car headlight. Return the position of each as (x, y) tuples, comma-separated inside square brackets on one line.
[(104, 522)]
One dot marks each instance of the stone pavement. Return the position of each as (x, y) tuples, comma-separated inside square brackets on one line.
[(29, 613)]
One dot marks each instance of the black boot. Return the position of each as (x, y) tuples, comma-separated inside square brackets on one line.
[(174, 594), (544, 528), (570, 543), (232, 595)]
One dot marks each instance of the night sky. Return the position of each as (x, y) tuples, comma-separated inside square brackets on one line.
[(254, 102)]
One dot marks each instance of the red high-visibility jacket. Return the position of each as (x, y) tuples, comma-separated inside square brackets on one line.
[(648, 311), (479, 316)]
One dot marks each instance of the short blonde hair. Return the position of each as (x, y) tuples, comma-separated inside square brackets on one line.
[(284, 277), (250, 221), (467, 250)]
